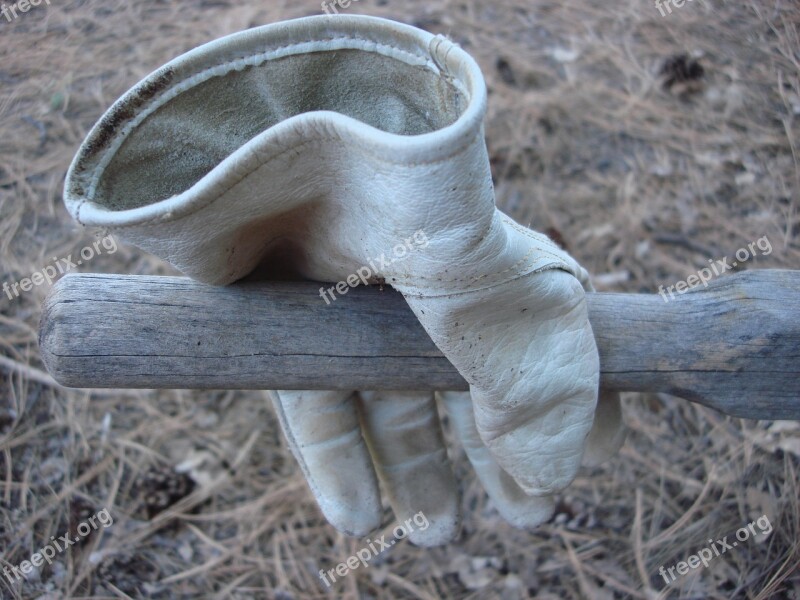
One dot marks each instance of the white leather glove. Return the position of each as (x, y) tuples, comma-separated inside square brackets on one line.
[(338, 436), (328, 141)]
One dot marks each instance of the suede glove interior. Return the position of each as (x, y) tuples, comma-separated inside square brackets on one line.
[(322, 143)]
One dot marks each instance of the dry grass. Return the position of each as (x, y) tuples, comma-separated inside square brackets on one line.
[(644, 185)]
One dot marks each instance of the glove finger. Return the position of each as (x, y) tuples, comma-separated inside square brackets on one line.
[(513, 504), (405, 438), (608, 430), (324, 433), (527, 349)]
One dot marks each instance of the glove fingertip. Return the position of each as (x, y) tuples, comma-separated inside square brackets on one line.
[(441, 530), (530, 513), (608, 431), (352, 521)]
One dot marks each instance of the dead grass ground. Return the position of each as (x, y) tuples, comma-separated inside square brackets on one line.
[(644, 185)]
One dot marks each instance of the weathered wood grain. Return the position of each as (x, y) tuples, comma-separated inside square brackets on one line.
[(734, 346)]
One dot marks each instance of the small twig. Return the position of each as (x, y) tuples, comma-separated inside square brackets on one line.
[(680, 240), (27, 371)]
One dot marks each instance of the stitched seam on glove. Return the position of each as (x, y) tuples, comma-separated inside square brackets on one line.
[(520, 274), (519, 270)]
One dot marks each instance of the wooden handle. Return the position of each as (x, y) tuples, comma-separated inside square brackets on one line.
[(734, 346)]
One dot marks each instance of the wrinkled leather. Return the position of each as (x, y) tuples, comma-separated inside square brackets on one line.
[(328, 142)]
